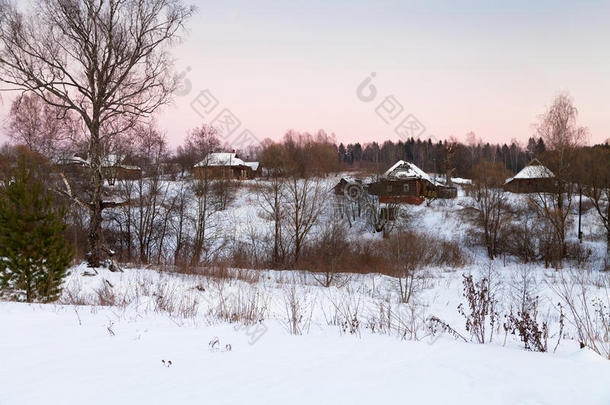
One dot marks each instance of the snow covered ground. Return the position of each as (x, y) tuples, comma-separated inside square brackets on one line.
[(73, 354), (67, 355)]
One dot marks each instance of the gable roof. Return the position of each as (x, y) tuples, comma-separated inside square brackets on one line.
[(407, 170), (534, 170)]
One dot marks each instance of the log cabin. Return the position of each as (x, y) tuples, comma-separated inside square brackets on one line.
[(533, 178), (225, 165)]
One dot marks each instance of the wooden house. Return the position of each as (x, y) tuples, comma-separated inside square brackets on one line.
[(533, 178), (406, 183), (225, 165), (349, 187)]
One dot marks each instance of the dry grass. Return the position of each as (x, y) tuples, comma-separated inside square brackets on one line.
[(161, 296)]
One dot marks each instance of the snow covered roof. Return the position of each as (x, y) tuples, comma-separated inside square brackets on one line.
[(221, 159), (252, 165), (406, 170), (534, 170)]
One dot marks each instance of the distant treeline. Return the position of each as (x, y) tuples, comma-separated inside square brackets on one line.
[(437, 157), (321, 153)]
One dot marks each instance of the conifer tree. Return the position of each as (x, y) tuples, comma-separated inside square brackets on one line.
[(34, 255)]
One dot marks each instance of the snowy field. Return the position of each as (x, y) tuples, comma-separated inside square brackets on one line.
[(279, 337), (54, 355), (73, 354)]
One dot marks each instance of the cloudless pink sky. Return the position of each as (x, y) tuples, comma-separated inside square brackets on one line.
[(456, 66)]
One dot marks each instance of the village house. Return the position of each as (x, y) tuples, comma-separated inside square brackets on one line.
[(406, 183), (225, 165), (533, 178)]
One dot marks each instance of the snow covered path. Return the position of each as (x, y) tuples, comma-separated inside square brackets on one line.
[(55, 355)]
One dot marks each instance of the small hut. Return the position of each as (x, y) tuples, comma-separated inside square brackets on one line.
[(533, 178)]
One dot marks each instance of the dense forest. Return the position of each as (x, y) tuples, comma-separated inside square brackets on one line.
[(432, 157)]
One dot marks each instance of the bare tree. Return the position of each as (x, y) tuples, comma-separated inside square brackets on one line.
[(199, 142), (271, 196), (304, 203), (105, 60), (151, 194), (562, 136), (203, 219), (489, 201), (179, 224), (42, 127)]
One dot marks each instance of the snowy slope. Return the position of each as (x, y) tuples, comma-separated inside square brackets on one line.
[(66, 355)]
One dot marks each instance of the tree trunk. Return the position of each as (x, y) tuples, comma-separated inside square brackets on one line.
[(607, 232), (608, 249), (94, 235), (277, 219)]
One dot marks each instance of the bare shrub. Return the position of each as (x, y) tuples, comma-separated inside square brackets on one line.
[(171, 299), (107, 297), (381, 320), (580, 254), (163, 296), (347, 313), (403, 321), (481, 312), (436, 325), (247, 305), (588, 312), (533, 334), (410, 320), (520, 238), (410, 253), (217, 271), (327, 255), (297, 318)]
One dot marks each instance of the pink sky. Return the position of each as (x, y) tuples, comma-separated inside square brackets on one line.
[(457, 67)]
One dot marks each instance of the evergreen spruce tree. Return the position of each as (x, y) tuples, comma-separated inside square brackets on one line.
[(34, 255)]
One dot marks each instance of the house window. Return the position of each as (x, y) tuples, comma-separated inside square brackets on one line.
[(405, 188)]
